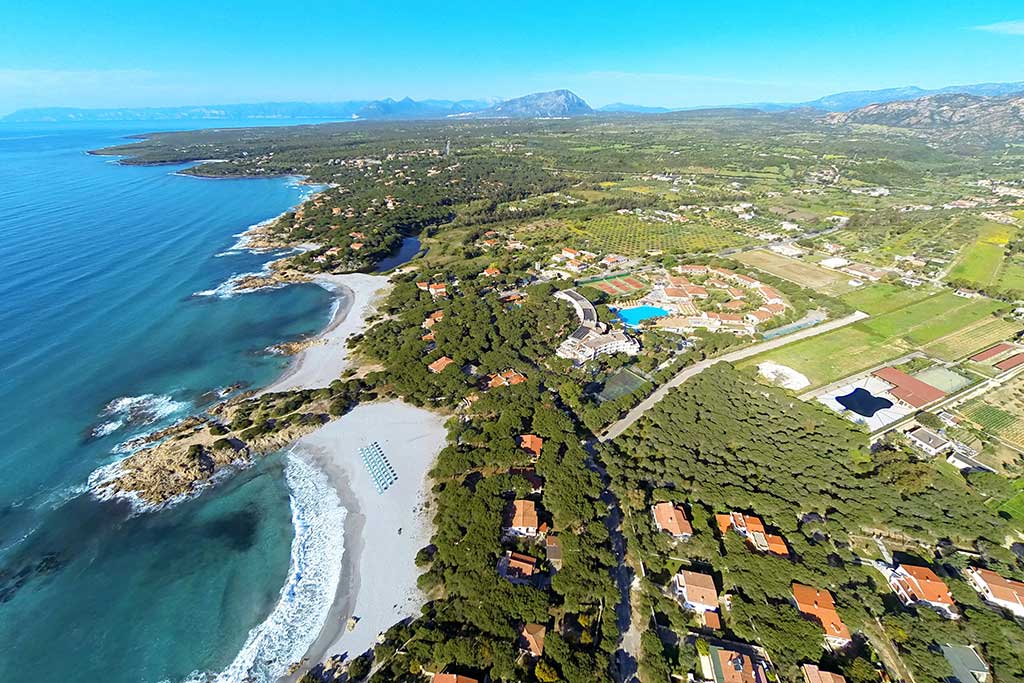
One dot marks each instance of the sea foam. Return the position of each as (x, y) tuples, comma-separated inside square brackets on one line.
[(136, 411), (305, 600)]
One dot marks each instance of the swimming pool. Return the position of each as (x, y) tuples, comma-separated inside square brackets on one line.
[(863, 402), (637, 314)]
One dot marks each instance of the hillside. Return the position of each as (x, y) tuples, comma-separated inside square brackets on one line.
[(556, 103), (961, 118)]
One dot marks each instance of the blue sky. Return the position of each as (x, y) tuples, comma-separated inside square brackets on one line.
[(671, 53)]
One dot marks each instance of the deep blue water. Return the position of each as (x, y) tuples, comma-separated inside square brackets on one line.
[(101, 265), (637, 314), (863, 402)]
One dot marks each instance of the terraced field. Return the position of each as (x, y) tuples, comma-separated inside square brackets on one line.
[(973, 338), (1000, 412)]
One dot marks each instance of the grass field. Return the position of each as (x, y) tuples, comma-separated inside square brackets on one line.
[(981, 261), (1014, 506), (973, 338), (881, 298), (852, 349), (801, 272)]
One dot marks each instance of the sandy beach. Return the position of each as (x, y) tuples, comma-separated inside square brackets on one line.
[(384, 531), (320, 364)]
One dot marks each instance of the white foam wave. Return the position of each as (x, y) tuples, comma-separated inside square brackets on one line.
[(306, 598), (136, 411)]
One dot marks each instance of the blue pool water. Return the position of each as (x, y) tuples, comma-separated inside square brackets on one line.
[(114, 321), (637, 314), (863, 402)]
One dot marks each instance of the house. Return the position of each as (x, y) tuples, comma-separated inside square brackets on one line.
[(737, 293), (696, 591), (928, 441), (733, 305), (438, 290), (570, 253), (516, 567), (908, 390), (672, 293), (671, 519), (553, 547), (692, 270), (963, 458), (531, 639), (356, 246), (435, 317), (864, 272), (757, 317), (821, 607), (770, 295), (575, 265), (997, 590), (453, 678), (524, 519), (491, 271), (966, 663), (920, 585), (695, 291), (440, 364), (530, 443), (774, 309), (504, 379), (812, 674), (752, 529), (727, 665)]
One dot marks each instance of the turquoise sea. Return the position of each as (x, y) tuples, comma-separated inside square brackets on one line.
[(111, 325)]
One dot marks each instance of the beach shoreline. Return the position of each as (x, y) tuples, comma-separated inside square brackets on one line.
[(379, 588), (315, 367)]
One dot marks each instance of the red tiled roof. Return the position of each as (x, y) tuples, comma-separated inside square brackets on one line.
[(992, 352), (533, 636), (820, 605), (531, 443), (1011, 362), (909, 389), (672, 518), (440, 364), (1002, 588), (453, 678), (700, 588), (712, 620), (812, 674), (924, 584), (524, 514)]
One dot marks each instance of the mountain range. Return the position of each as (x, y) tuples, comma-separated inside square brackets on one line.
[(557, 103)]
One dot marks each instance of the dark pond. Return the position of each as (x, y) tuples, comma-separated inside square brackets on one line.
[(863, 402), (409, 248)]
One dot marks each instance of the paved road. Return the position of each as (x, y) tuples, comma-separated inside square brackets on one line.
[(740, 354)]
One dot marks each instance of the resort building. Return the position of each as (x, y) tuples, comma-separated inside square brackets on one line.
[(696, 591), (915, 585), (531, 443), (517, 568), (752, 529), (821, 607), (671, 519), (524, 519), (531, 639), (908, 390), (812, 674), (928, 441), (440, 364), (998, 590), (592, 338), (727, 665), (966, 663)]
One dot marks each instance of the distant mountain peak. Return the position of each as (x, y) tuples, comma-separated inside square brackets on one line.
[(552, 104)]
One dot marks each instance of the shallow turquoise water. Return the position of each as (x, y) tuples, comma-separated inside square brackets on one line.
[(637, 314), (103, 336)]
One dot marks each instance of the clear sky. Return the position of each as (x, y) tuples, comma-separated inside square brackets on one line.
[(113, 53)]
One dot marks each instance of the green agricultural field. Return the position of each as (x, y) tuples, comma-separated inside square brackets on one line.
[(1014, 506), (846, 351), (631, 236), (881, 298), (1000, 412), (973, 338), (980, 261)]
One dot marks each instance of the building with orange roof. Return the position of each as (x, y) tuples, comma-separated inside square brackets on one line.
[(752, 528), (992, 352), (429, 336), (440, 364), (524, 519), (453, 678), (695, 590), (517, 567), (433, 319), (504, 379), (998, 590), (920, 585), (671, 519), (491, 271), (531, 638), (812, 674), (728, 665), (438, 290), (531, 443), (820, 606), (907, 389)]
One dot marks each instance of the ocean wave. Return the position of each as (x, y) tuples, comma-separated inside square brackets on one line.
[(306, 598), (135, 411)]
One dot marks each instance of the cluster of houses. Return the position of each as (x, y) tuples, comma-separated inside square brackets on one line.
[(750, 302), (577, 261), (913, 585)]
